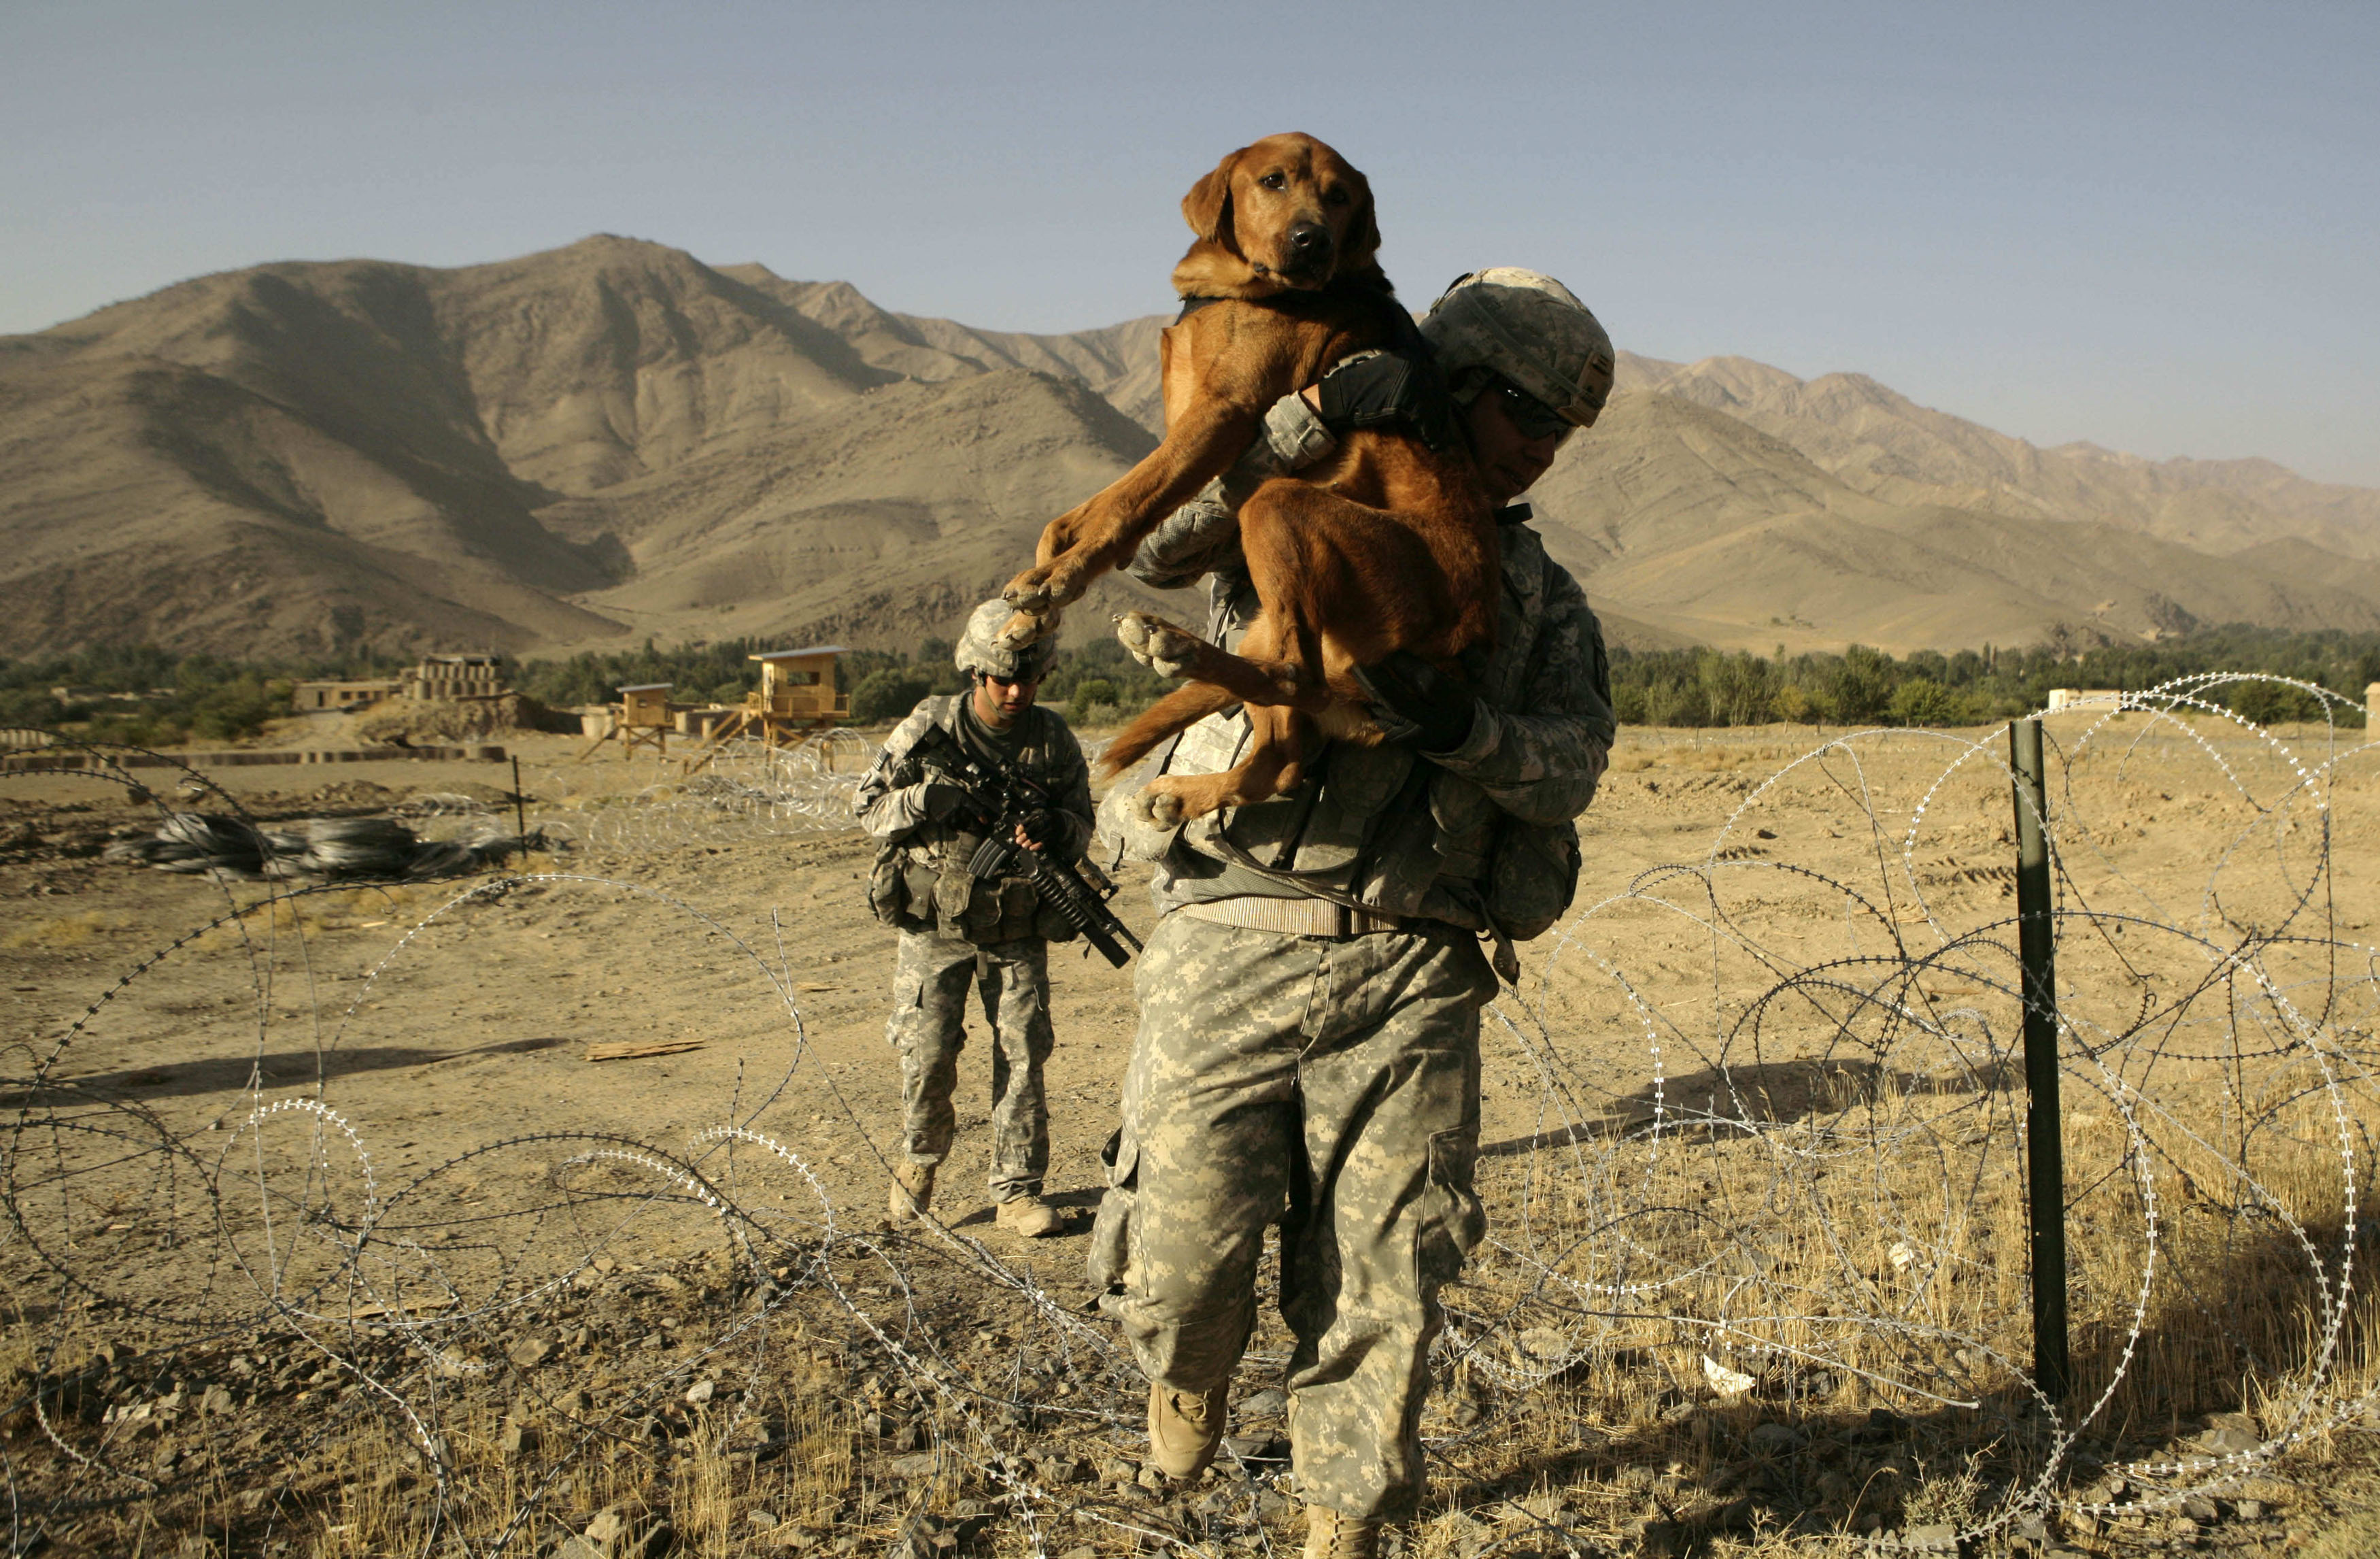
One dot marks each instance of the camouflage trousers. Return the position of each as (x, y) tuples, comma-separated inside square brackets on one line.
[(1332, 1086), (931, 978)]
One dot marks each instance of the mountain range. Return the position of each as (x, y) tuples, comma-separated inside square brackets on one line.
[(614, 440)]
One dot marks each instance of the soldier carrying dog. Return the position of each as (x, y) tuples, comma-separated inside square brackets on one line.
[(1308, 1052)]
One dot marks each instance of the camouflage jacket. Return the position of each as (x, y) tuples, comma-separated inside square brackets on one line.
[(922, 879), (1435, 836)]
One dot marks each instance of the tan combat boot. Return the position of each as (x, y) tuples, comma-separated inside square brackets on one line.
[(1183, 1429), (1029, 1216), (913, 1190), (1330, 1535)]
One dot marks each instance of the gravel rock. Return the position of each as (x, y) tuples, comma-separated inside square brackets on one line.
[(614, 1522), (1272, 1402), (1775, 1439), (2230, 1440)]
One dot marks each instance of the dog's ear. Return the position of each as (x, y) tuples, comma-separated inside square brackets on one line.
[(1208, 207), (1360, 252)]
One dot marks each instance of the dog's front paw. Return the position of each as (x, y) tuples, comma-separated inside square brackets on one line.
[(1158, 807), (1157, 644), (1025, 627), (1030, 591)]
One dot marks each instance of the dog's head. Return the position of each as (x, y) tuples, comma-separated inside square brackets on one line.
[(1285, 213)]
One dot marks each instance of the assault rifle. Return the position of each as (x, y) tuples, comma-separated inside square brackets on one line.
[(998, 801)]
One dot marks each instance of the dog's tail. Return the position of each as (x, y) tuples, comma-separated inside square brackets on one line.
[(1177, 711)]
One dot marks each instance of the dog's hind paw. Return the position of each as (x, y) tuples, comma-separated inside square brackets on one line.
[(1157, 644), (1157, 807)]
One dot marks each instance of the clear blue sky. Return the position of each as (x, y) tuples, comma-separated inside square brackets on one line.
[(2154, 225)]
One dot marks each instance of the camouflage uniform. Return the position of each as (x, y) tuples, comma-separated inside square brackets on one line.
[(1326, 1072), (955, 929)]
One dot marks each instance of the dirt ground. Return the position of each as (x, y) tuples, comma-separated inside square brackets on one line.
[(449, 1027)]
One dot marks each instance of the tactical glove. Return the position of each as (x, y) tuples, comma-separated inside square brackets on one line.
[(1389, 389), (939, 798), (1417, 704)]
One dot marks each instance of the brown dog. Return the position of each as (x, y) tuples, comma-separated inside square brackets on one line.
[(1390, 546), (1280, 284)]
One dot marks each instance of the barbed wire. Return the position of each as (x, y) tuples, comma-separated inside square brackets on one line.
[(1768, 1193), (746, 789)]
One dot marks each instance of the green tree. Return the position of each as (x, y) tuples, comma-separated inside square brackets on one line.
[(1673, 701), (238, 707), (886, 695), (2268, 703), (1859, 689), (1736, 688), (1921, 700)]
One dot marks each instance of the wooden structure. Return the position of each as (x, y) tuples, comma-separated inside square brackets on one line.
[(641, 718), (455, 678), (442, 678), (645, 718), (798, 697), (338, 697)]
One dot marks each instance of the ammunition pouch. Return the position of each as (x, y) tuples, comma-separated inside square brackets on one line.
[(983, 910), (1531, 876), (930, 889), (898, 887)]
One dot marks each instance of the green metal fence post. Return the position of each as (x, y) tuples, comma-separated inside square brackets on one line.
[(2044, 1150)]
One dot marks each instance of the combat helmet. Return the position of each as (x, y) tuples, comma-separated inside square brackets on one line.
[(982, 649), (1528, 327)]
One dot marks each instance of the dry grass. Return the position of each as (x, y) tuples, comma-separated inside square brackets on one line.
[(1624, 1444), (1833, 1207), (525, 1474), (1697, 757), (59, 933)]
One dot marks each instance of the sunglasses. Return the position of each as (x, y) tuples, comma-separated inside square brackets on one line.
[(1530, 417)]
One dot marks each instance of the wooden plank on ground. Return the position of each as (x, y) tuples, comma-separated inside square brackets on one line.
[(631, 1052)]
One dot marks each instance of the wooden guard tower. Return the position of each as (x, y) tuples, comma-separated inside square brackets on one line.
[(797, 697), (641, 718)]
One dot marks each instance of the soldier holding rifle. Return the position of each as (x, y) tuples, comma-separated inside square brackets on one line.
[(980, 804)]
